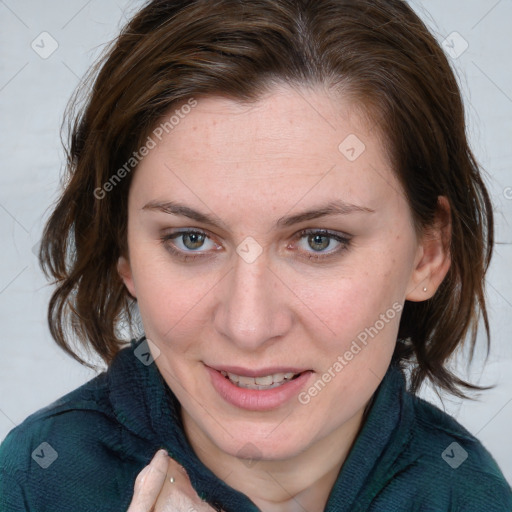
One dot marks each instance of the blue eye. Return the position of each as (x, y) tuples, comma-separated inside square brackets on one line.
[(183, 243), (313, 244), (191, 240), (319, 242), (322, 243)]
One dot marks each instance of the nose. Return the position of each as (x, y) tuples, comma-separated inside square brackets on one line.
[(252, 310)]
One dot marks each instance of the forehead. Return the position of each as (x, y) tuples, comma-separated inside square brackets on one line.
[(294, 141), (273, 126)]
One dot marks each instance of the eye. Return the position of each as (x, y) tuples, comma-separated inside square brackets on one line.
[(321, 244), (182, 243), (312, 244), (191, 240)]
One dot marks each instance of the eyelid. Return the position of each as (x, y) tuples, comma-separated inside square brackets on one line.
[(323, 231), (342, 238), (190, 254)]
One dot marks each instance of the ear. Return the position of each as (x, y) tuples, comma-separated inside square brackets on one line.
[(125, 271), (433, 257)]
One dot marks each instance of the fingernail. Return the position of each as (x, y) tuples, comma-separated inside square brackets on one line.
[(161, 453)]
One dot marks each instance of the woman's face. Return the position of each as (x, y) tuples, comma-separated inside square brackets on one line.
[(271, 242)]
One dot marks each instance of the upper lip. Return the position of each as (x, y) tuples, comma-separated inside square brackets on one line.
[(259, 372)]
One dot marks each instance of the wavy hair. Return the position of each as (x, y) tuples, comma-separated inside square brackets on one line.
[(377, 51)]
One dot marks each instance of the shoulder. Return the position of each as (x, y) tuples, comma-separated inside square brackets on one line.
[(61, 450), (450, 465), (74, 412), (437, 435), (86, 447)]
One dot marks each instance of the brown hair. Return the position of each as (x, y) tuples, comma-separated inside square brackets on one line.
[(378, 51)]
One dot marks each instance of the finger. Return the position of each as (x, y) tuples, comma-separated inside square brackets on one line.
[(149, 482), (177, 493)]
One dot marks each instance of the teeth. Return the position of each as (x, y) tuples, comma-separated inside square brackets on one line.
[(279, 377), (264, 382), (246, 381)]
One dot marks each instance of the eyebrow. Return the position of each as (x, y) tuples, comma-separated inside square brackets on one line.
[(333, 208)]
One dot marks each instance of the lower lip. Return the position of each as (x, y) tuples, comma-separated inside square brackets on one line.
[(254, 399)]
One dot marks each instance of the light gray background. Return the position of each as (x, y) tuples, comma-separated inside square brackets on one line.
[(33, 94)]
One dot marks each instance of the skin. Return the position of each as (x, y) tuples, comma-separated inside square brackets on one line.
[(248, 166), (153, 488)]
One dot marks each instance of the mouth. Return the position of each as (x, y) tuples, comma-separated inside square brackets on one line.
[(258, 390), (271, 381)]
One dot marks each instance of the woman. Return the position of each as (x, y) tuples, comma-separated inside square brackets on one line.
[(285, 192)]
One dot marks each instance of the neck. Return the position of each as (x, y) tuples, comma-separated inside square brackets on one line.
[(302, 482)]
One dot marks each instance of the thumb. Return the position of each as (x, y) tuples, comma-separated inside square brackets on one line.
[(149, 483)]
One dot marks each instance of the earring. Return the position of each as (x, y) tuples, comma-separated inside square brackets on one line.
[(425, 289)]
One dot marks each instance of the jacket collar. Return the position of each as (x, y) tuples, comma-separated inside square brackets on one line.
[(375, 457), (144, 404)]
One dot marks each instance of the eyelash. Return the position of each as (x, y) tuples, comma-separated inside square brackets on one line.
[(344, 240)]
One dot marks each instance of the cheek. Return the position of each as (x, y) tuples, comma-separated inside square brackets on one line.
[(348, 302), (171, 299)]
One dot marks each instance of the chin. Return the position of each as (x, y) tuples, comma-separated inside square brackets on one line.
[(272, 443)]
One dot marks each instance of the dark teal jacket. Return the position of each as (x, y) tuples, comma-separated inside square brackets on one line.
[(83, 452)]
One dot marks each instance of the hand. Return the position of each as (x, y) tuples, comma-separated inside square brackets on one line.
[(164, 486)]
